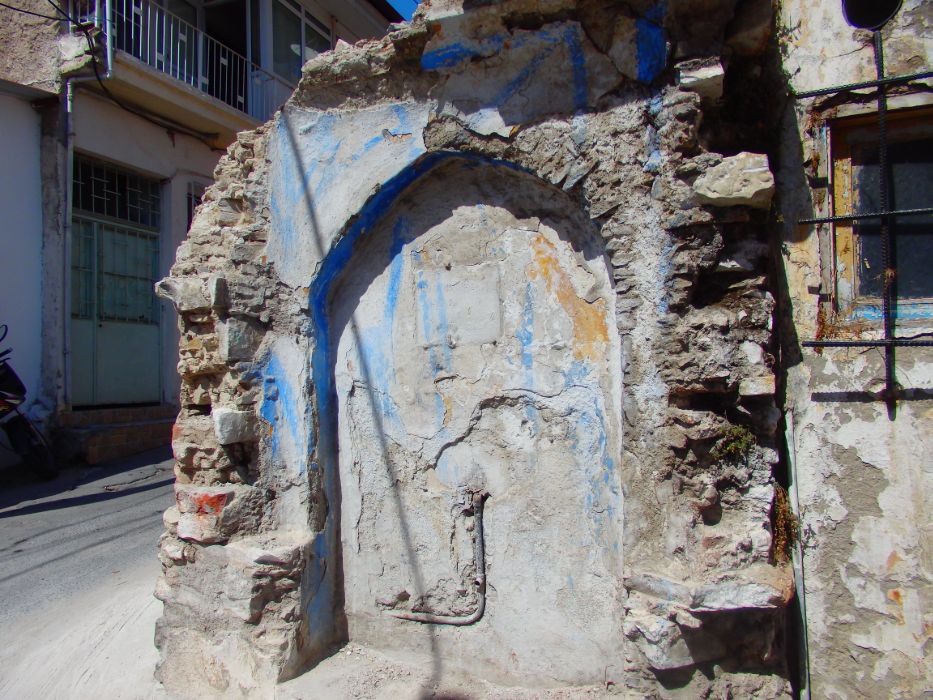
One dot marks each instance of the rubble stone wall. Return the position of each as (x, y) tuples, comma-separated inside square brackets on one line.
[(504, 271)]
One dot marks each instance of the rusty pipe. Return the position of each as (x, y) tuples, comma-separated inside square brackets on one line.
[(479, 557)]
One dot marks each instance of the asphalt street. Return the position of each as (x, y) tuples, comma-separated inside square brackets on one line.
[(77, 568)]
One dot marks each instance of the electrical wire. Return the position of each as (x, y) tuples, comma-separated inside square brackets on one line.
[(30, 12)]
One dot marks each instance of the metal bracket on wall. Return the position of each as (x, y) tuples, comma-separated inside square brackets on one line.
[(888, 241)]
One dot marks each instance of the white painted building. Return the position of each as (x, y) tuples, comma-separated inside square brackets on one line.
[(114, 118)]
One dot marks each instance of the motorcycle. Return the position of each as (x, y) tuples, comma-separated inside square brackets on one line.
[(24, 438)]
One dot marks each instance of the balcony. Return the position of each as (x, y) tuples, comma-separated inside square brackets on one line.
[(177, 48)]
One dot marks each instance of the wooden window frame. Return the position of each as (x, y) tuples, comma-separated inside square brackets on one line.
[(848, 305)]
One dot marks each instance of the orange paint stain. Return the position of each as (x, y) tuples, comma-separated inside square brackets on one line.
[(895, 596), (590, 333), (210, 504), (447, 408), (893, 559)]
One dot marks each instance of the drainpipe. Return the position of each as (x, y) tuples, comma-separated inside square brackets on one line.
[(479, 558), (70, 83), (797, 560)]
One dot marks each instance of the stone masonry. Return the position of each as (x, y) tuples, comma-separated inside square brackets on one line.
[(514, 254)]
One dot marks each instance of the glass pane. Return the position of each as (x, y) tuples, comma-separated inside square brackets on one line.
[(912, 168), (315, 42), (286, 49), (128, 264), (82, 269)]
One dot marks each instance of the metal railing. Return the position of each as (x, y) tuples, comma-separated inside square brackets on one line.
[(171, 45)]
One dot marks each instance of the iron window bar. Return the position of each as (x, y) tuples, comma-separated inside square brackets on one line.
[(873, 215), (889, 292), (880, 82)]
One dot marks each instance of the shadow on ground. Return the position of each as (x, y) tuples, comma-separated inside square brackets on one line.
[(17, 484)]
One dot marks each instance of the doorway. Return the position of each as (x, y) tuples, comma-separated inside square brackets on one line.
[(115, 316)]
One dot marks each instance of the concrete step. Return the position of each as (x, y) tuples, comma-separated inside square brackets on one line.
[(83, 418), (97, 435)]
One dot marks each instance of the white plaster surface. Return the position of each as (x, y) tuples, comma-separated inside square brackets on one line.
[(555, 68), (312, 191), (21, 239), (824, 50), (862, 480), (513, 395)]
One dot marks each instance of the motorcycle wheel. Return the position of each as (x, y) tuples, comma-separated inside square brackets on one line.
[(31, 447)]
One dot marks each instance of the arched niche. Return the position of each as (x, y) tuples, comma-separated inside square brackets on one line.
[(471, 353)]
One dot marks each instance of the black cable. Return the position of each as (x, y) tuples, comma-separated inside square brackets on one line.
[(30, 12), (62, 12)]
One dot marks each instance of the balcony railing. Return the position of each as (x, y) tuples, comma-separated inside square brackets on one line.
[(171, 45)]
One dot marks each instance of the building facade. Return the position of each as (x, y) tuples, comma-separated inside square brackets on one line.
[(134, 102), (857, 401)]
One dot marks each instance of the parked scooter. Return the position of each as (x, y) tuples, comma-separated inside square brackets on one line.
[(25, 439)]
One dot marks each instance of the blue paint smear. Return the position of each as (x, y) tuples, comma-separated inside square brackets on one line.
[(320, 597), (456, 53), (321, 606), (377, 343), (656, 12), (589, 439), (443, 331), (307, 174), (578, 65), (905, 312), (651, 46), (653, 164), (424, 306), (401, 234), (655, 105), (525, 332), (279, 407)]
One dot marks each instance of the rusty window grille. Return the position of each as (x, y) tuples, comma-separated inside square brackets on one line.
[(886, 218), (114, 243), (104, 190)]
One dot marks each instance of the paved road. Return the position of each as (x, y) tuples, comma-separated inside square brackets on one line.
[(77, 568)]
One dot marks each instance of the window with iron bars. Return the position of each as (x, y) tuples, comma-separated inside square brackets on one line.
[(115, 243)]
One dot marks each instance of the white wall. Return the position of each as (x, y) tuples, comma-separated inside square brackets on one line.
[(863, 481), (105, 131), (21, 237)]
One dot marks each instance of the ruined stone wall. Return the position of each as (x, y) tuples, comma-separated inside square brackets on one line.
[(518, 253), (861, 477)]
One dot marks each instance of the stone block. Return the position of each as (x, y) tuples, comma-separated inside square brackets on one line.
[(211, 514), (668, 645), (231, 426), (220, 295), (703, 77), (757, 386), (190, 438), (744, 179), (761, 586), (238, 340), (186, 293)]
